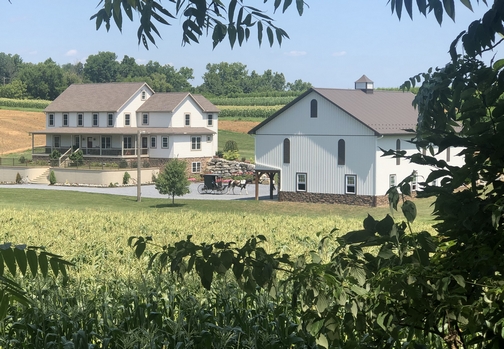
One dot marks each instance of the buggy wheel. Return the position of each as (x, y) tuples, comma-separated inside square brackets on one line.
[(202, 189)]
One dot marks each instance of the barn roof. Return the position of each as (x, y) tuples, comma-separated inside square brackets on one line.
[(384, 112)]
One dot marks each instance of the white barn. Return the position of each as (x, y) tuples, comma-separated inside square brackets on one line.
[(325, 145)]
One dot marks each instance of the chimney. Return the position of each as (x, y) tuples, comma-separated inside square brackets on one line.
[(364, 84)]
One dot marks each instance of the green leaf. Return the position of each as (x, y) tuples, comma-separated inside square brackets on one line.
[(460, 280), (384, 227), (43, 263), (409, 210), (9, 260), (21, 259), (369, 223), (54, 266), (322, 303)]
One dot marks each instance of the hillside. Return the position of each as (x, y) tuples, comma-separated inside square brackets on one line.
[(14, 135)]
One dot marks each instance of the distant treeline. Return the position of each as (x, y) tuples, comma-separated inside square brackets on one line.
[(46, 80)]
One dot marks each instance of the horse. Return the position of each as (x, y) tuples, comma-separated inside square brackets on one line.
[(242, 184)]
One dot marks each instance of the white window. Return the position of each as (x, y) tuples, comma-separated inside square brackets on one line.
[(196, 143), (187, 120), (210, 120), (127, 142), (80, 120), (153, 142), (301, 181), (57, 141), (143, 95), (392, 180), (164, 142), (350, 184), (65, 119), (51, 120), (95, 119), (126, 119), (196, 167), (208, 138), (106, 142), (145, 119), (414, 183), (110, 120)]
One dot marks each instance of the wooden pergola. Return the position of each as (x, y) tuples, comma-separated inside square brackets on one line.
[(270, 172)]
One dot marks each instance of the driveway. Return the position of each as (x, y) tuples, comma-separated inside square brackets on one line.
[(149, 191)]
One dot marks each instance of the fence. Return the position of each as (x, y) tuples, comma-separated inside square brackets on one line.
[(82, 165)]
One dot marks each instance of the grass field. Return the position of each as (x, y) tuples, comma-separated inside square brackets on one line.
[(246, 145)]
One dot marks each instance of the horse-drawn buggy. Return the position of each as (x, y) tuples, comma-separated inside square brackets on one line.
[(213, 184)]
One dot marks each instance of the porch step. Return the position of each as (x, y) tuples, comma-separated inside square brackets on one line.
[(42, 178)]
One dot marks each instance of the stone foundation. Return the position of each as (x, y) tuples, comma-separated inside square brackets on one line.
[(319, 198)]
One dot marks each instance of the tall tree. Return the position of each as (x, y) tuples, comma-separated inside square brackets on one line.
[(43, 80), (102, 67)]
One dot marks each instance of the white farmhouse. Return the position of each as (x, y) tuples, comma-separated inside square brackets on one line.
[(325, 145), (105, 121)]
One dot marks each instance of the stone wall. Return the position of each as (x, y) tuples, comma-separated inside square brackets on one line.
[(360, 200), (228, 168)]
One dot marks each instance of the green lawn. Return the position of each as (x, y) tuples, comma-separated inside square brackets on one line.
[(246, 145), (72, 200)]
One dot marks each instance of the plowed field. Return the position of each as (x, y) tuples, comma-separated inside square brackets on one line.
[(15, 125)]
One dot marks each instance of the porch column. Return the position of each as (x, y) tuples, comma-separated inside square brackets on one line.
[(33, 143)]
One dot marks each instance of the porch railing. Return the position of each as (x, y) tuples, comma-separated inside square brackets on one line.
[(105, 152)]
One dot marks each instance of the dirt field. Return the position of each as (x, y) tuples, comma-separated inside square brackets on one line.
[(15, 125)]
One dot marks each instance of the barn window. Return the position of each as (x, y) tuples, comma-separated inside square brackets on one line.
[(313, 108), (301, 181), (286, 151), (398, 149), (341, 152), (350, 184)]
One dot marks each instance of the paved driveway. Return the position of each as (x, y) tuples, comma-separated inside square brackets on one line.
[(149, 191)]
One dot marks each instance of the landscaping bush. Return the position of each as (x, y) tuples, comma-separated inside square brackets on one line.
[(22, 159), (55, 155), (231, 155), (123, 164), (18, 178), (77, 157), (230, 146), (126, 178), (52, 178)]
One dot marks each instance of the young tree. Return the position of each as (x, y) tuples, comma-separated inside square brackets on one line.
[(173, 180)]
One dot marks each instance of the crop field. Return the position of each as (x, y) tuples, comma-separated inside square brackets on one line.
[(111, 299)]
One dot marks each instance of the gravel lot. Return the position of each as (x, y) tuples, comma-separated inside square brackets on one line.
[(149, 191)]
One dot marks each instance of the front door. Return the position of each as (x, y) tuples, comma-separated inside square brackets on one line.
[(90, 142), (145, 145)]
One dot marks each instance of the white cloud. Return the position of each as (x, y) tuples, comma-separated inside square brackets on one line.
[(71, 53), (338, 54), (296, 53)]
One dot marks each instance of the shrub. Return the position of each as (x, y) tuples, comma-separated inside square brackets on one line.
[(22, 159), (231, 155), (126, 178), (123, 164), (18, 178), (52, 178), (219, 153), (230, 146), (146, 164), (55, 155), (154, 178), (77, 157)]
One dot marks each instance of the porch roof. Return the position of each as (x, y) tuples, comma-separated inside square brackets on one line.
[(124, 131)]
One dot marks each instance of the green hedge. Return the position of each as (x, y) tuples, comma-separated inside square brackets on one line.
[(24, 103)]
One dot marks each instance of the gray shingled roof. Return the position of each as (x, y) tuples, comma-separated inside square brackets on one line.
[(384, 112), (167, 102), (95, 97)]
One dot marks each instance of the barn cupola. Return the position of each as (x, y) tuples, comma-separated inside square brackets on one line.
[(364, 84)]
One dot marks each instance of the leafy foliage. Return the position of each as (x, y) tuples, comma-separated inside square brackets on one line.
[(234, 22), (230, 146), (126, 178), (52, 178), (173, 180)]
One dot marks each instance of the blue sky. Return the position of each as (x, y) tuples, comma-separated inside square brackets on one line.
[(333, 44)]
